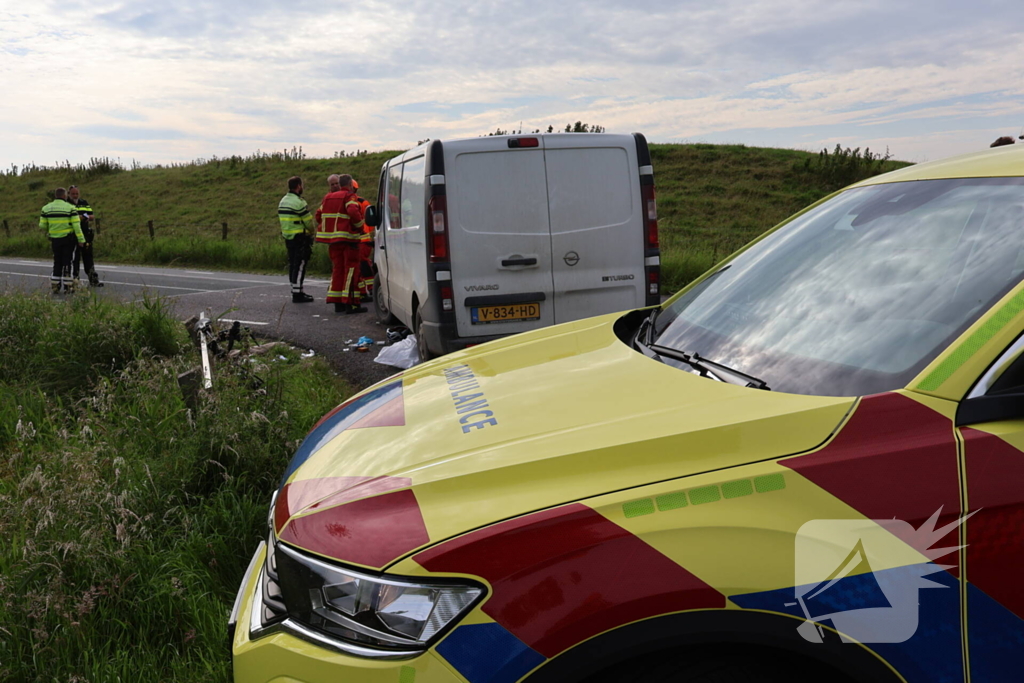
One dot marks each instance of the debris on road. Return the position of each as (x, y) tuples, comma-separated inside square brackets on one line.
[(402, 354), (397, 334)]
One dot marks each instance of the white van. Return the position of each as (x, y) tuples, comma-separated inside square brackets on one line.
[(490, 236)]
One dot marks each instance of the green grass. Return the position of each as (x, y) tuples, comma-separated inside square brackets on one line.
[(712, 199), (128, 518)]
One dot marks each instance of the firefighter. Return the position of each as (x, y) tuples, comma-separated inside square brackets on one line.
[(297, 230), (83, 256), (339, 223), (365, 252), (60, 220)]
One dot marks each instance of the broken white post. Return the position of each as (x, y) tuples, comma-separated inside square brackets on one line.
[(204, 332)]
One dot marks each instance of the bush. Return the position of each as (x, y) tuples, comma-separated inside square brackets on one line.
[(845, 166), (128, 517)]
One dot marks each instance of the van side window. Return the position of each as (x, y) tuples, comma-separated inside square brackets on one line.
[(413, 210), (393, 215)]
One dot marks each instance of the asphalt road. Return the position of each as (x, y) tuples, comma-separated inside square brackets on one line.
[(263, 303)]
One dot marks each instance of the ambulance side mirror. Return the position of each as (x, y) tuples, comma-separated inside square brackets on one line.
[(372, 218), (1002, 398)]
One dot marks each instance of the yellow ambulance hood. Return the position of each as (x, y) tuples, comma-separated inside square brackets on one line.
[(526, 423)]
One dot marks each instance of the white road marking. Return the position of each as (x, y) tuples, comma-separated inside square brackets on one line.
[(200, 272), (244, 322), (208, 291), (194, 290), (177, 274)]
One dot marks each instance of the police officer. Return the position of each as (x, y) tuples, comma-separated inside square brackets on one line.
[(297, 230), (60, 220), (84, 254)]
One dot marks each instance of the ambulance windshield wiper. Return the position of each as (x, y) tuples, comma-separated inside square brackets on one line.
[(647, 326), (709, 368)]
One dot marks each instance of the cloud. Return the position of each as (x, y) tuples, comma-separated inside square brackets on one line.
[(128, 133), (226, 77), (125, 115)]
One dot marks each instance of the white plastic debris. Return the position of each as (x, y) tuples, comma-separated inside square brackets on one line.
[(308, 355), (403, 354)]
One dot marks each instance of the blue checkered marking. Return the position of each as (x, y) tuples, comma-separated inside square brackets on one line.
[(487, 653), (996, 637), (932, 655), (357, 409)]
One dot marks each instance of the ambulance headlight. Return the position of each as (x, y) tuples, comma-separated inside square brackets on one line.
[(374, 611)]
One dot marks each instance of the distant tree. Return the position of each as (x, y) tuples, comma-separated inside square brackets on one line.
[(580, 127)]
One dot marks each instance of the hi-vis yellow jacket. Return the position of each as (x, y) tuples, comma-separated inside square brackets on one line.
[(60, 218), (294, 215)]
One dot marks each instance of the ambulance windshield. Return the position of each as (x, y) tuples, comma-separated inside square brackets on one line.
[(859, 294)]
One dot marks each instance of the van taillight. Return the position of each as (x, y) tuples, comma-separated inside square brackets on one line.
[(653, 280), (650, 216), (438, 208), (447, 298), (523, 142)]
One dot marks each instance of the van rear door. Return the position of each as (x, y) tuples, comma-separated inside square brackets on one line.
[(499, 236), (597, 230)]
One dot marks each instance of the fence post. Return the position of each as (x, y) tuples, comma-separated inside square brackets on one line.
[(223, 231), (7, 229), (152, 235), (96, 221)]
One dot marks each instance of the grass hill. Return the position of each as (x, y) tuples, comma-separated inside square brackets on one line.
[(712, 199)]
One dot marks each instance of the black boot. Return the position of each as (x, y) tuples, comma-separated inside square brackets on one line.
[(340, 308), (301, 298), (94, 280)]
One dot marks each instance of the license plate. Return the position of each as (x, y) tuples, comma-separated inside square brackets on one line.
[(505, 314)]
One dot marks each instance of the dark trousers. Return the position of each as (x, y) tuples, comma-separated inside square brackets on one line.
[(83, 256), (64, 249), (300, 249)]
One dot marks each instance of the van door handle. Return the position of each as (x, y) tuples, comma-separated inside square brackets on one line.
[(519, 262)]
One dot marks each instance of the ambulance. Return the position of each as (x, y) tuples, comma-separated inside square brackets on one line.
[(807, 465)]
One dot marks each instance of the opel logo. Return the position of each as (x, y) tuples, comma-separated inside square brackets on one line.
[(571, 259)]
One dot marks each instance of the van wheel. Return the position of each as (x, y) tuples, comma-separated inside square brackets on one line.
[(380, 304), (421, 340)]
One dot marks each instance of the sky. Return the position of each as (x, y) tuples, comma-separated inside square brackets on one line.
[(157, 83)]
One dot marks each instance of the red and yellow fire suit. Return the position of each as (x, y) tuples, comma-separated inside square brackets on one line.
[(339, 223), (365, 257)]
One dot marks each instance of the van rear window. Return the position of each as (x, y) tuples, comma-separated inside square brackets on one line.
[(589, 188), (499, 193)]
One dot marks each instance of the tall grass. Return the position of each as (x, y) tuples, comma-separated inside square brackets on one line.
[(126, 517)]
